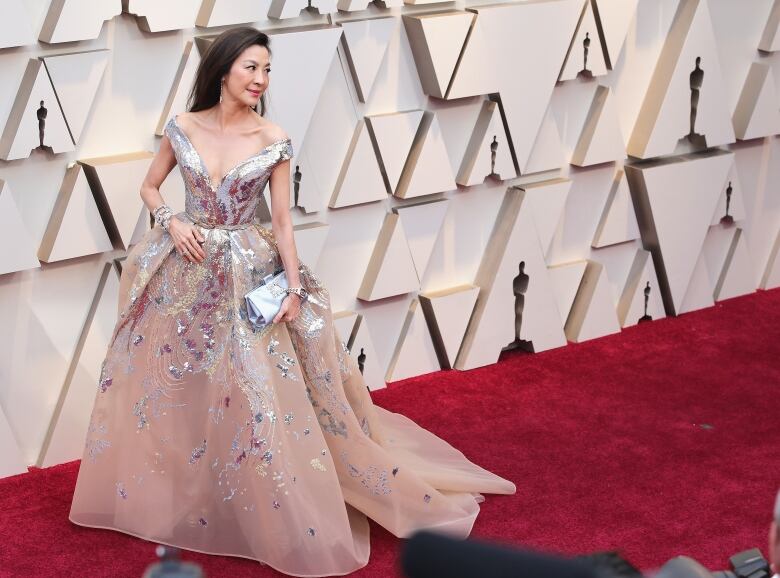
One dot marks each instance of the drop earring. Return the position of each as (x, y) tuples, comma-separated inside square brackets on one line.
[(221, 86)]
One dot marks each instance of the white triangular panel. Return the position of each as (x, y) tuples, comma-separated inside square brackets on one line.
[(283, 9), (478, 161), (344, 324), (22, 129), (363, 345), (421, 223), (540, 32), (11, 459), (309, 242), (68, 428), (758, 113), (593, 311), (436, 41), (732, 198), (394, 135), (177, 96), (471, 76), (615, 17), (641, 285), (770, 41), (447, 313), (547, 153), (76, 78), (390, 270), (587, 33), (73, 20), (230, 12), (771, 277), (565, 280), (75, 228), (428, 169), (618, 221), (115, 180), (366, 44), (737, 275), (15, 25), (156, 16), (547, 199), (514, 241), (360, 180), (14, 235), (665, 115), (601, 140), (679, 197), (699, 292), (414, 353)]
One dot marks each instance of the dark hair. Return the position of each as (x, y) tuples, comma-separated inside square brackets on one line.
[(216, 63)]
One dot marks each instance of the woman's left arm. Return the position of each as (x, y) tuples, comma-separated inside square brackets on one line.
[(281, 224)]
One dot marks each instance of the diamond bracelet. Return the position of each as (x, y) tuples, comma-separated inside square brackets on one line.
[(162, 215)]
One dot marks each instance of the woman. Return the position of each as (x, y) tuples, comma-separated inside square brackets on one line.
[(213, 435)]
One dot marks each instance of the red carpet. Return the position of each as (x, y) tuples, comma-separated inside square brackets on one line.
[(659, 441)]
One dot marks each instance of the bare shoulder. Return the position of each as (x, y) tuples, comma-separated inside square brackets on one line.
[(272, 132)]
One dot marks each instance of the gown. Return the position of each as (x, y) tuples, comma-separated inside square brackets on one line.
[(210, 436)]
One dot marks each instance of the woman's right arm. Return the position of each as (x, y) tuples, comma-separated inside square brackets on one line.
[(186, 237)]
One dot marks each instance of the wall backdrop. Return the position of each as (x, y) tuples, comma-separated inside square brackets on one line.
[(467, 176)]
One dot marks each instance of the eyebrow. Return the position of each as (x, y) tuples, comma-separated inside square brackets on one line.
[(255, 62)]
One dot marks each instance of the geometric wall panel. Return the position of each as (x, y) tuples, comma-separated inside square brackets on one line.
[(18, 247), (699, 292), (601, 140), (64, 440), (547, 200), (547, 151), (114, 183), (512, 261), (586, 55), (414, 353), (228, 12), (283, 9), (393, 136), (76, 78), (614, 18), (757, 113), (73, 20), (437, 41), (593, 311), (618, 221), (75, 228), (731, 200), (674, 200), (182, 81), (309, 242), (156, 16), (344, 323), (11, 459), (471, 76), (565, 280), (641, 295), (365, 44), (390, 270), (428, 169), (363, 352), (543, 29), (771, 277), (360, 180), (488, 152), (447, 313), (770, 41), (421, 223), (15, 28), (666, 117), (36, 104), (737, 275)]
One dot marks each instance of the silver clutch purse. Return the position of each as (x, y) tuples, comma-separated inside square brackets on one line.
[(263, 302)]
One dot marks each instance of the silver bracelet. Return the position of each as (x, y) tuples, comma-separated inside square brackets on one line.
[(162, 215), (299, 291)]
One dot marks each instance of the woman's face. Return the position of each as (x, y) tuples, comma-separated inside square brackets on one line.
[(249, 76)]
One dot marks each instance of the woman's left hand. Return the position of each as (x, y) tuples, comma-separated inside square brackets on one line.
[(290, 308)]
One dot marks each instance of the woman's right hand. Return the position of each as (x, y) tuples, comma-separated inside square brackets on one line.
[(187, 240)]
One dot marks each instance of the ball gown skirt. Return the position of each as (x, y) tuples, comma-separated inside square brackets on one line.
[(214, 437)]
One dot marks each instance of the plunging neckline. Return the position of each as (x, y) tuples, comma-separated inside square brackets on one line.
[(202, 164)]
